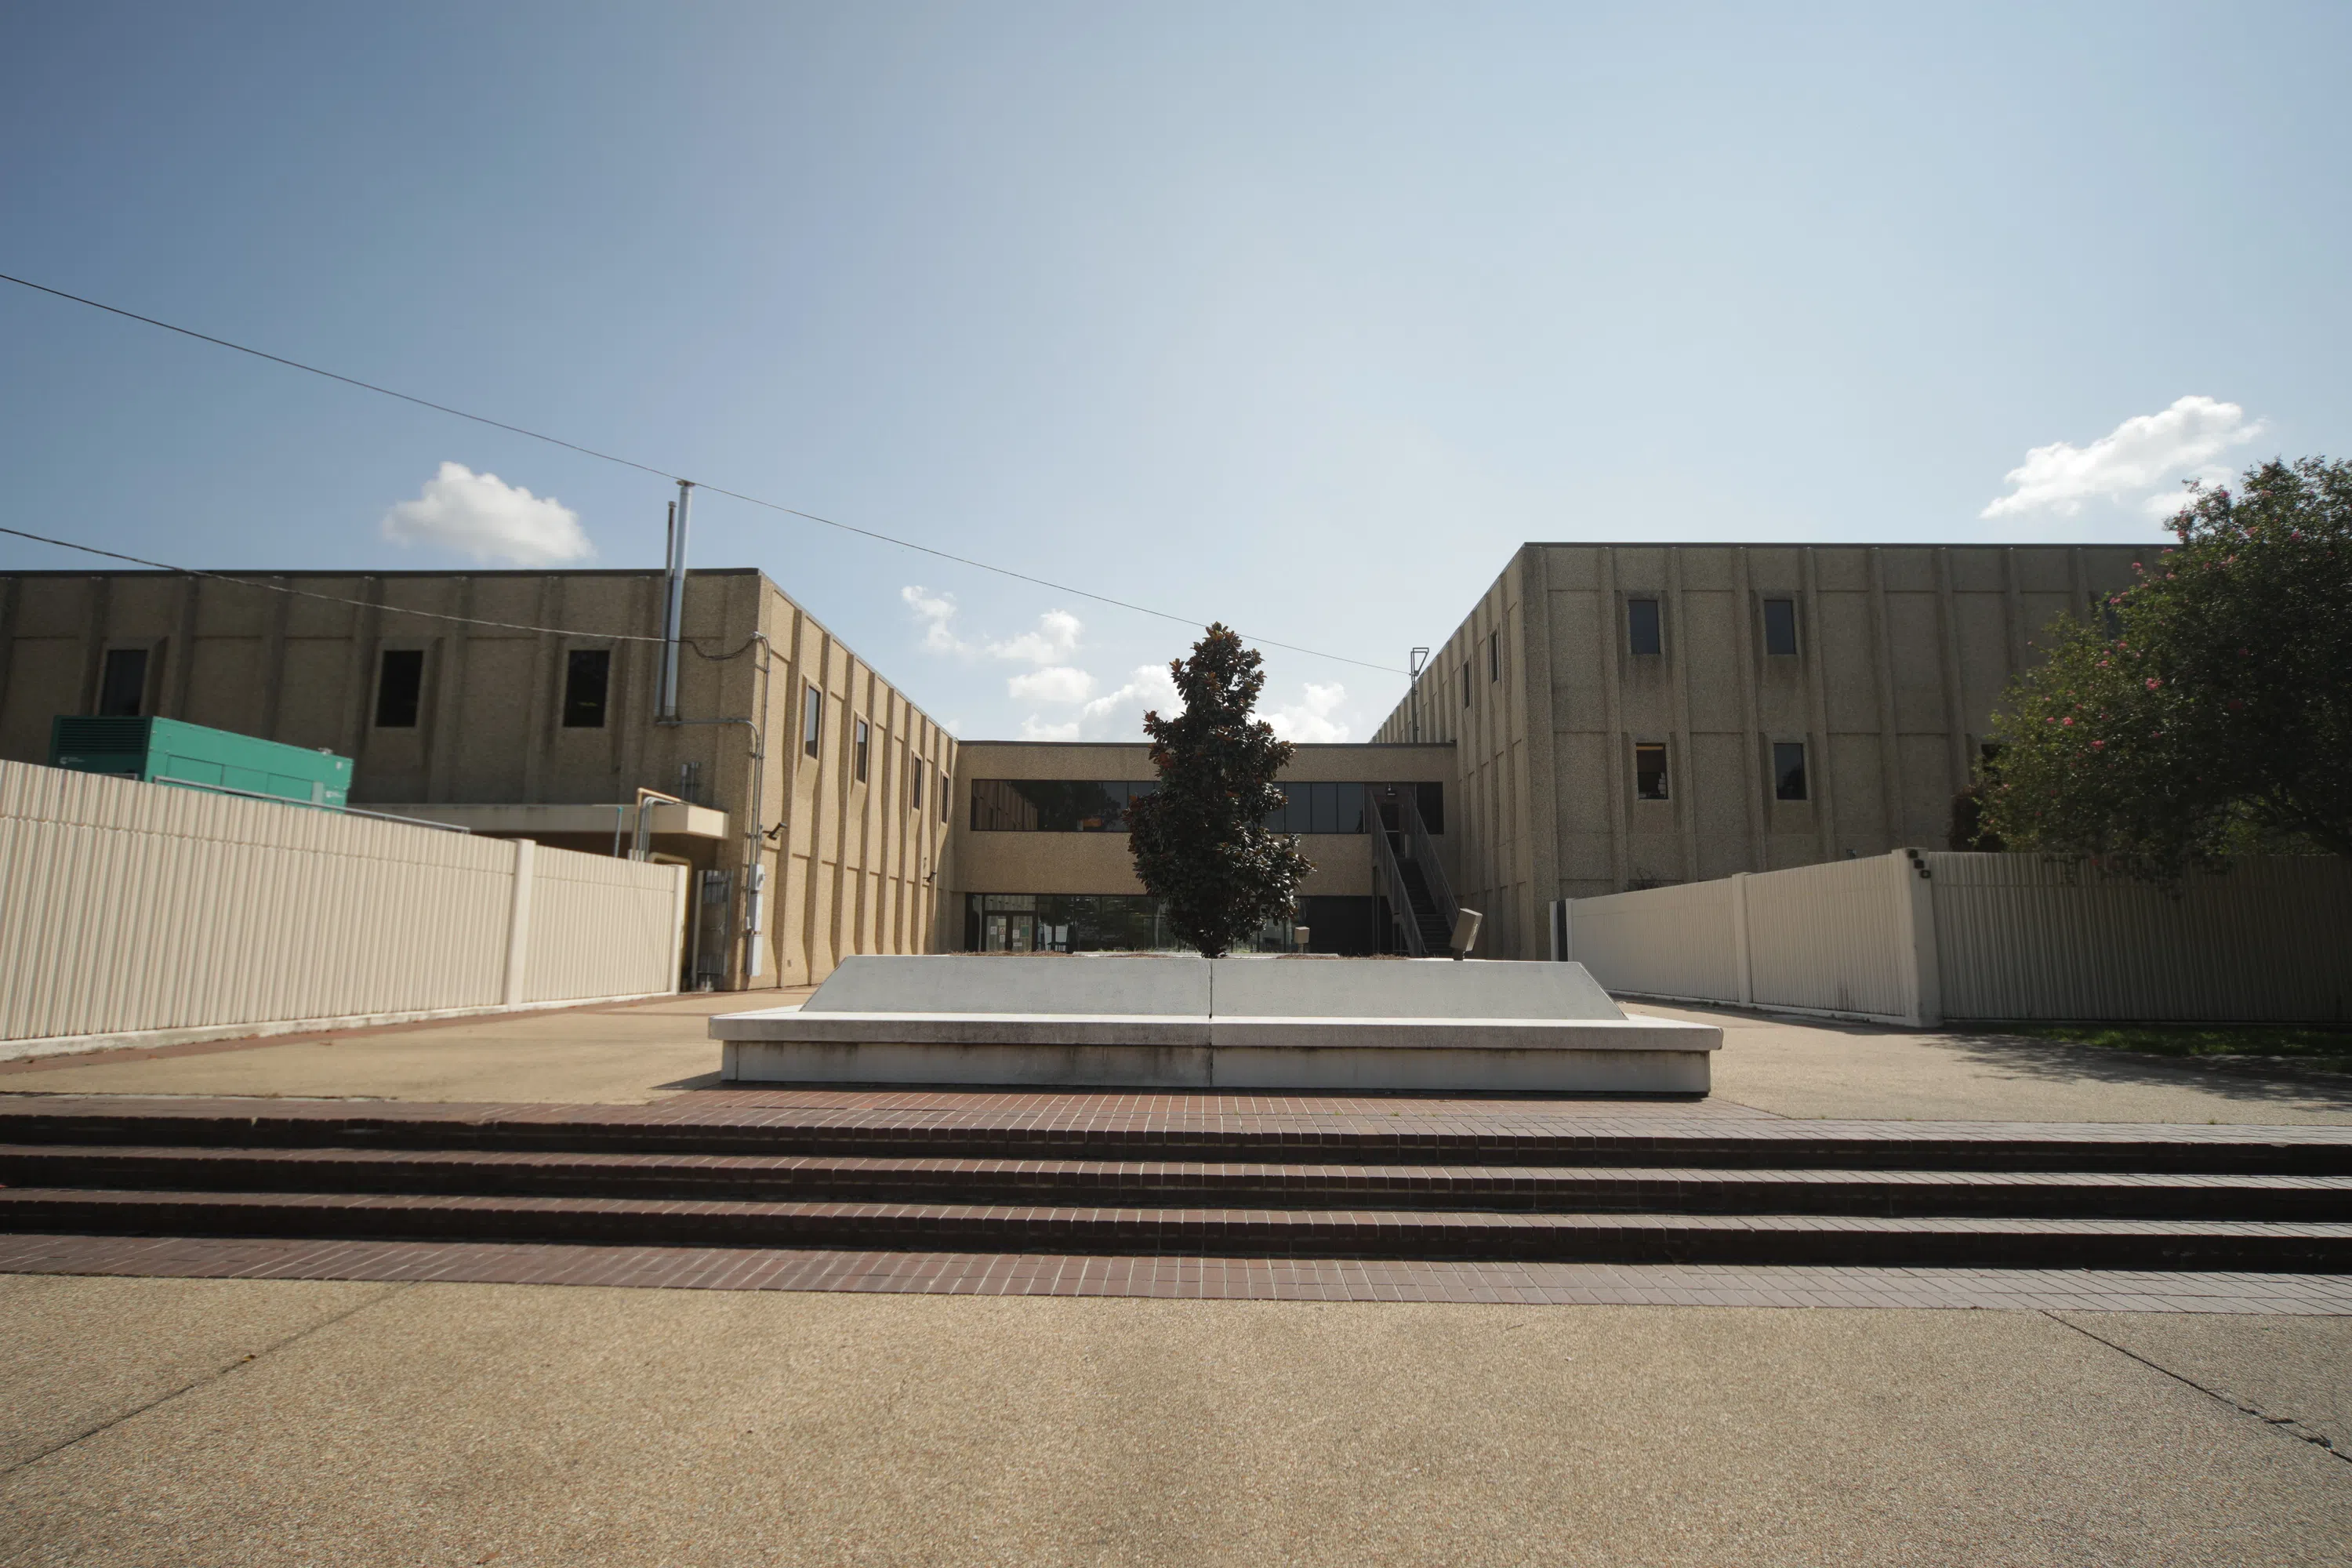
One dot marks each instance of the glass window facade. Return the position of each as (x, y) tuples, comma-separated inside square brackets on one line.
[(1318, 808), (1053, 806), (1134, 922), (1780, 628)]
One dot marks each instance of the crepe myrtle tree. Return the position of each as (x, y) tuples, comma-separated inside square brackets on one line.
[(1200, 839), (2207, 708)]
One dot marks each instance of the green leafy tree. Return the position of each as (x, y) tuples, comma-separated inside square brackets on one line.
[(1200, 840), (2207, 709)]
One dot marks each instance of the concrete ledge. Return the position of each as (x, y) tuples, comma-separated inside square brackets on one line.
[(1456, 1070), (1193, 1022)]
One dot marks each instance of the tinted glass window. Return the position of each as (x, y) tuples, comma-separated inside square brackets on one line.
[(1494, 655), (587, 676), (864, 746), (1780, 628), (1788, 770), (1465, 683), (1429, 798), (812, 718), (123, 688), (1642, 626), (943, 794), (1052, 806), (1650, 772), (915, 783), (399, 687)]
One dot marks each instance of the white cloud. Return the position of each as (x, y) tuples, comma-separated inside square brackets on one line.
[(1055, 683), (937, 613), (1119, 715), (1035, 729), (1054, 638), (1310, 720), (2141, 454), (482, 516)]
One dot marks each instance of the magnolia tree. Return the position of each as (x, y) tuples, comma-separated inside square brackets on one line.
[(1199, 839), (2207, 708)]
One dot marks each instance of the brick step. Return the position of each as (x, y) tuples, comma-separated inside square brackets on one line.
[(1786, 1239), (1763, 1143), (1134, 1183)]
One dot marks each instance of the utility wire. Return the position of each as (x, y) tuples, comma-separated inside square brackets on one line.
[(641, 468)]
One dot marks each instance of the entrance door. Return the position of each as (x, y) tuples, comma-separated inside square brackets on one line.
[(1008, 934)]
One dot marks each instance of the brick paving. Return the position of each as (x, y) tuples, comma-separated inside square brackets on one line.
[(1183, 1278)]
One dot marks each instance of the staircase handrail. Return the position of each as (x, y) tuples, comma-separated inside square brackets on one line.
[(1392, 879), (1425, 854)]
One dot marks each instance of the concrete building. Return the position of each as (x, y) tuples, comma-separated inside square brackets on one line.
[(809, 796), (1627, 716), (1609, 717)]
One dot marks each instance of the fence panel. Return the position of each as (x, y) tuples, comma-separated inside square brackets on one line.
[(1834, 938), (127, 907), (1662, 942), (2018, 936)]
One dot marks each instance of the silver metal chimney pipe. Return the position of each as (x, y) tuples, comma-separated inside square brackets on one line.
[(673, 605)]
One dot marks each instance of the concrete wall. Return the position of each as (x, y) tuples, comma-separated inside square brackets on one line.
[(1919, 938), (131, 909), (1903, 652), (849, 870)]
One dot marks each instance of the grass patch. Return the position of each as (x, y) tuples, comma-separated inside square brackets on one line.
[(2325, 1046)]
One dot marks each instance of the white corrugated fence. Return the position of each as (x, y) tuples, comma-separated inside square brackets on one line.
[(1922, 937), (131, 909)]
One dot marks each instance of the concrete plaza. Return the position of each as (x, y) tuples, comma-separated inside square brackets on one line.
[(362, 1421)]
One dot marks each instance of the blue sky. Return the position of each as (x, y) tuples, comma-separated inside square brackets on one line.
[(1298, 317)]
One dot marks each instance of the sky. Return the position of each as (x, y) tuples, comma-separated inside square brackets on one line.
[(1301, 318)]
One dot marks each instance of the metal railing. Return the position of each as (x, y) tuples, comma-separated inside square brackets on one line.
[(1388, 879), (1425, 854)]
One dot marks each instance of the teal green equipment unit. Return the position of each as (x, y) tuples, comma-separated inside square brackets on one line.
[(167, 752)]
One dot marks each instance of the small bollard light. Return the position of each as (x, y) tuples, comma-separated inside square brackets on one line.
[(1465, 931)]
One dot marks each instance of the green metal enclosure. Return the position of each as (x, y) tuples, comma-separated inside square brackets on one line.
[(167, 752)]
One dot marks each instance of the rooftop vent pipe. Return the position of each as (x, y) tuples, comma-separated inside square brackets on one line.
[(673, 603)]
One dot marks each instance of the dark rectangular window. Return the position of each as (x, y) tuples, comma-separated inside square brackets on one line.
[(1052, 805), (1494, 655), (1780, 628), (122, 687), (915, 783), (1788, 770), (1318, 808), (1650, 771), (943, 794), (1465, 683), (865, 745), (1642, 626), (1430, 799), (399, 688), (587, 679), (812, 720)]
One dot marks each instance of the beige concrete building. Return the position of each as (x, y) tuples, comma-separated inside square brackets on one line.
[(1627, 716), (810, 796), (1609, 717)]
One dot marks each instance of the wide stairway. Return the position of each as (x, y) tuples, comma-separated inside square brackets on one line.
[(1077, 1174)]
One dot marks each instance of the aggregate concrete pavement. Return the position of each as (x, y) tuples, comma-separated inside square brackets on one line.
[(621, 1055), (537, 1424), (1810, 1069)]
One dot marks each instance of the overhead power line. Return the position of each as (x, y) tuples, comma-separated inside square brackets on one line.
[(643, 468)]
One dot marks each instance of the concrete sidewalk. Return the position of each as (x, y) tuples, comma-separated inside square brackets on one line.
[(250, 1423)]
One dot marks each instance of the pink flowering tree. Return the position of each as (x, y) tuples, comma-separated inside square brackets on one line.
[(2205, 711)]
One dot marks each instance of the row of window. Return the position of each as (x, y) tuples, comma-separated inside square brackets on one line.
[(1646, 628), (587, 688), (1093, 805), (861, 751), (1650, 782)]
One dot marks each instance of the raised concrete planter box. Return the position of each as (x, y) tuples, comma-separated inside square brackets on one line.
[(1228, 1023)]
